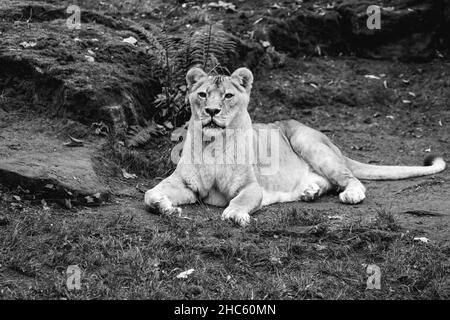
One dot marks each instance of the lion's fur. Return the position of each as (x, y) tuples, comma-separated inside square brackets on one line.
[(308, 163)]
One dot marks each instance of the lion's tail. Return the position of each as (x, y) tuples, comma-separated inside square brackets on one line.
[(432, 165)]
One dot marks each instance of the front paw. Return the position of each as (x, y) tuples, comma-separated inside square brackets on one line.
[(160, 203), (352, 195), (170, 211), (237, 215)]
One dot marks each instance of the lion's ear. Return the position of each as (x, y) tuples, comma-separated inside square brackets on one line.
[(244, 77), (194, 75)]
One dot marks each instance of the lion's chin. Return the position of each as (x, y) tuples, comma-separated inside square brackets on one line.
[(212, 124), (212, 131)]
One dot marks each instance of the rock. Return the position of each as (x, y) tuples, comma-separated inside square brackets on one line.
[(303, 33), (410, 30), (71, 173), (64, 79), (40, 163)]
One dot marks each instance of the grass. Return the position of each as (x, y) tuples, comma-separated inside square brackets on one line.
[(122, 257)]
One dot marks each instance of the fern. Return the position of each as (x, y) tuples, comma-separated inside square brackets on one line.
[(173, 56), (139, 135)]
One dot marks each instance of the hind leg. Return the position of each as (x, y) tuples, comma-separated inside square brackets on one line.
[(332, 166), (327, 161)]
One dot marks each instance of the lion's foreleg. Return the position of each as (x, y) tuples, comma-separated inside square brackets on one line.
[(247, 201), (168, 194)]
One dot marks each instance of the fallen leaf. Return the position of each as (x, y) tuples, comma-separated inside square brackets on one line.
[(258, 20), (185, 274), (68, 203), (44, 205), (89, 58), (265, 44), (127, 175), (17, 198), (320, 247), (422, 239), (275, 260), (168, 125), (371, 76), (26, 44), (130, 40), (74, 142), (318, 50), (222, 4)]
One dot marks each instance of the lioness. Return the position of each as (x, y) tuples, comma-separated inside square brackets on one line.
[(309, 164)]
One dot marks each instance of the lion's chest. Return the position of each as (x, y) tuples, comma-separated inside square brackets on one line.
[(223, 178)]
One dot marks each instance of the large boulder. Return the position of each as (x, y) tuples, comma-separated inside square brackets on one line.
[(410, 30)]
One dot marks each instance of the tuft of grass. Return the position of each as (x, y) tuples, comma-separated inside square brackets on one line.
[(386, 219), (303, 217)]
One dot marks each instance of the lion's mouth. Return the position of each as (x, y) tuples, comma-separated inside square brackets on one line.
[(213, 125)]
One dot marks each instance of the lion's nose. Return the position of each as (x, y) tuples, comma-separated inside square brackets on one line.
[(212, 111)]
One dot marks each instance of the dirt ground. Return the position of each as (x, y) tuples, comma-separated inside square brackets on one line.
[(319, 250)]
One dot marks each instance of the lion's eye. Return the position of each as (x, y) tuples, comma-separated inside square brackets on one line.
[(202, 95), (229, 96)]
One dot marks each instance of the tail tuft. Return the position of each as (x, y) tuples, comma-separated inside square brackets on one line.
[(433, 159)]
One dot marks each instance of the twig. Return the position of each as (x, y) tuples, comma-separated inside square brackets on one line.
[(29, 19)]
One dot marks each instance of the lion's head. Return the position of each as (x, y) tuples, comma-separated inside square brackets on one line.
[(218, 102)]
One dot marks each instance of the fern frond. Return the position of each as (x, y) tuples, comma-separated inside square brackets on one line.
[(139, 136)]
